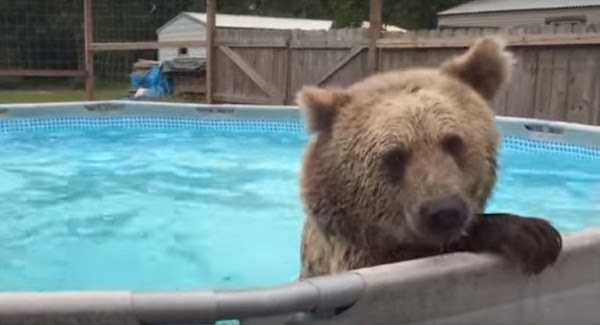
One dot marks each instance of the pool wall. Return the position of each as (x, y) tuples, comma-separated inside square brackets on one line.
[(465, 288), (461, 288)]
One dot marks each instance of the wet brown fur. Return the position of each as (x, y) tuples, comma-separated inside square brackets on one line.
[(360, 211)]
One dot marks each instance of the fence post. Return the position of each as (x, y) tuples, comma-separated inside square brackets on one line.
[(88, 31), (288, 97), (211, 8), (374, 33)]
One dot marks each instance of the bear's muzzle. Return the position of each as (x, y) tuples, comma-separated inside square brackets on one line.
[(444, 215)]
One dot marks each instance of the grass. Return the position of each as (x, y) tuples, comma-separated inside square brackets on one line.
[(58, 95)]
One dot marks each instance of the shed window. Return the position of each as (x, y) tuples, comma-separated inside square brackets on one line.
[(183, 51)]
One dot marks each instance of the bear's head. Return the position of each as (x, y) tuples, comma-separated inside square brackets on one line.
[(405, 157)]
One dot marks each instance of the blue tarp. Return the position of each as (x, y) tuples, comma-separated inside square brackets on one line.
[(154, 82)]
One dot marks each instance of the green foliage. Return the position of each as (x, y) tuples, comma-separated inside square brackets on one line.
[(279, 8), (415, 14), (411, 14), (34, 34)]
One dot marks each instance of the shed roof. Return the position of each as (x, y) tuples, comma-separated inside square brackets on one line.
[(481, 6), (256, 22)]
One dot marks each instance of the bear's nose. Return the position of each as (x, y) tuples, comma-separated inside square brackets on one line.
[(445, 214)]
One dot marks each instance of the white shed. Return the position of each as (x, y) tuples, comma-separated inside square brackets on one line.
[(190, 26)]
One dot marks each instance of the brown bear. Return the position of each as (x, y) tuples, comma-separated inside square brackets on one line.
[(401, 164)]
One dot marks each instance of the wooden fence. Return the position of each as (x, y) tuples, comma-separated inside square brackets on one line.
[(556, 76), (268, 67)]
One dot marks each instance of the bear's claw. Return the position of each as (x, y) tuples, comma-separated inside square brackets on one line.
[(532, 243)]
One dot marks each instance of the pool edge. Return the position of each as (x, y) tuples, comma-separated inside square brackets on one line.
[(451, 285), (528, 128)]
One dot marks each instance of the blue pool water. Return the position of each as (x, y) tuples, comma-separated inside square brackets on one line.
[(186, 208)]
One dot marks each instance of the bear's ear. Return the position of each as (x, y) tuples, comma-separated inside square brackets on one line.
[(486, 66), (320, 106)]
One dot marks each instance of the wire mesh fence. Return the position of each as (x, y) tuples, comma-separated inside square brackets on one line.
[(38, 34), (42, 49)]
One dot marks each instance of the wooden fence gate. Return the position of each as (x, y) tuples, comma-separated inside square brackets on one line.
[(269, 67)]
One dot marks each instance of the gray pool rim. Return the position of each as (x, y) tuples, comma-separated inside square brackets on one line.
[(556, 132), (316, 297)]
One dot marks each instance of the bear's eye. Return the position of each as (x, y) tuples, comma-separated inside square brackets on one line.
[(394, 163), (454, 145)]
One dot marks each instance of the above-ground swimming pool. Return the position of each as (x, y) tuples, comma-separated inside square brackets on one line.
[(165, 197)]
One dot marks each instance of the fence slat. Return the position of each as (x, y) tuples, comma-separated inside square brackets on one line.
[(523, 85), (132, 46), (580, 91), (513, 40), (543, 91), (375, 19), (88, 31), (558, 95), (211, 73), (351, 55), (41, 73)]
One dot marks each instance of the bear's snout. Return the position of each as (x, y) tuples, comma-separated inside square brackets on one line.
[(445, 214)]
